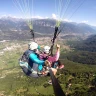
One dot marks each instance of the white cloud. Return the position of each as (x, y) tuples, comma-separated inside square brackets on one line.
[(85, 21), (93, 25), (67, 20), (46, 17), (54, 16), (15, 17), (4, 15), (10, 15), (39, 17)]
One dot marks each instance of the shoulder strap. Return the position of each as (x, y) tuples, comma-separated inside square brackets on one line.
[(25, 56)]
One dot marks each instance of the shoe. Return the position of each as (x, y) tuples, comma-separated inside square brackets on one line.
[(61, 66), (50, 82)]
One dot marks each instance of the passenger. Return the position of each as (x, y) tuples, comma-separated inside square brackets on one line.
[(54, 60)]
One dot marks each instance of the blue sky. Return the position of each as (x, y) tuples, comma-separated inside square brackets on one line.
[(48, 8)]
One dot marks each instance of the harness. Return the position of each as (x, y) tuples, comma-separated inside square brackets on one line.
[(25, 56), (24, 62)]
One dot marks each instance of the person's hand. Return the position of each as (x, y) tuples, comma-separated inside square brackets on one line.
[(58, 46), (47, 63)]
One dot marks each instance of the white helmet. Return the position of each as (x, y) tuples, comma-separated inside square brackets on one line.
[(33, 45), (46, 49)]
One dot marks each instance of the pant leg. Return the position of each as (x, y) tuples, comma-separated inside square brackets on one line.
[(28, 70)]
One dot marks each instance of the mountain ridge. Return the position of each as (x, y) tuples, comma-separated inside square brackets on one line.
[(9, 27)]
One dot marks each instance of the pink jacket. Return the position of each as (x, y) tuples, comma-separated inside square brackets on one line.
[(51, 59)]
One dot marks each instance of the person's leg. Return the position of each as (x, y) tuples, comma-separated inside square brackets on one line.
[(29, 72), (60, 65), (26, 71), (54, 71)]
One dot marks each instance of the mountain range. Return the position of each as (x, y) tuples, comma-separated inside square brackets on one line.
[(16, 28)]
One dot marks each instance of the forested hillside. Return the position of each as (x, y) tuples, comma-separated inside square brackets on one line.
[(84, 51)]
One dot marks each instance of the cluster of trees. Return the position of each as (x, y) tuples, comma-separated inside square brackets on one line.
[(82, 57), (78, 83), (84, 51), (73, 83)]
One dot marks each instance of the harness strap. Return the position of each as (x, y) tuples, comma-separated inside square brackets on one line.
[(56, 33), (32, 33)]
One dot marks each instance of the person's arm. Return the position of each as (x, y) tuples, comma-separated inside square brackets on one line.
[(35, 59), (56, 56)]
